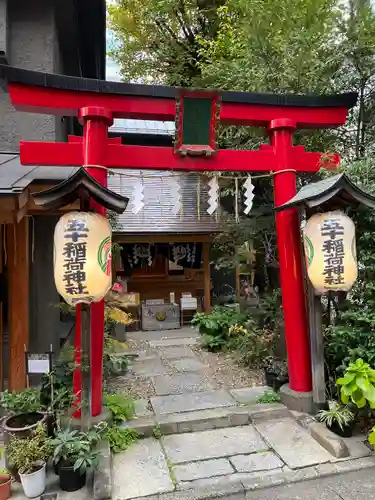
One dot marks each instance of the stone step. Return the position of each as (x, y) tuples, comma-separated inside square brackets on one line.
[(223, 463), (208, 419)]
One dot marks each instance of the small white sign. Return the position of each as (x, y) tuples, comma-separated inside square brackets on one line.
[(38, 363), (189, 303), (154, 302)]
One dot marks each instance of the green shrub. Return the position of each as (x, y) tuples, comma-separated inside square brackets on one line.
[(122, 407), (120, 438), (268, 397), (26, 401), (214, 327), (357, 385)]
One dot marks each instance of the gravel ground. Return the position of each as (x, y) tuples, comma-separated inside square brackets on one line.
[(226, 371), (223, 369)]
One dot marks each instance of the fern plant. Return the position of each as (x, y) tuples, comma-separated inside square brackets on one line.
[(341, 415)]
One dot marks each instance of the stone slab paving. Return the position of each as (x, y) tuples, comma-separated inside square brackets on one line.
[(183, 351), (188, 365), (293, 443), (169, 342), (249, 394), (191, 402), (141, 407), (150, 335), (149, 367), (140, 471), (216, 443), (202, 469), (179, 384), (256, 462)]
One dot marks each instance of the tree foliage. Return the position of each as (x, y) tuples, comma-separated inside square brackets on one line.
[(158, 40), (293, 46)]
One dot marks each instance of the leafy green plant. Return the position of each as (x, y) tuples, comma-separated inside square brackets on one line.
[(214, 326), (253, 347), (26, 401), (336, 413), (357, 385), (115, 360), (156, 432), (73, 448), (122, 407), (120, 438), (24, 453), (271, 312), (268, 397)]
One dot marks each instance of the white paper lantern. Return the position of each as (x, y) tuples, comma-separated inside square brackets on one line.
[(330, 249), (82, 257)]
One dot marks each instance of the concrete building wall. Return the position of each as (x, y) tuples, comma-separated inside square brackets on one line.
[(31, 43)]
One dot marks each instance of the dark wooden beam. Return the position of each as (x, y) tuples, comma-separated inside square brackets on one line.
[(18, 289)]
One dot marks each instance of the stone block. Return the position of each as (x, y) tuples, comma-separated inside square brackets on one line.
[(202, 469), (191, 402), (194, 421), (187, 365), (239, 416), (292, 443), (248, 395), (144, 425), (264, 412), (141, 470), (298, 401), (256, 462), (102, 481), (179, 384), (333, 443), (212, 444)]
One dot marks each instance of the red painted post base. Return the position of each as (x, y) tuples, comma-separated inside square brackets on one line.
[(289, 249)]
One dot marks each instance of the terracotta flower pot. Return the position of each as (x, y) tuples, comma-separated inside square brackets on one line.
[(5, 486)]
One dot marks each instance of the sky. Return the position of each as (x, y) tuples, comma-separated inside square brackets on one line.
[(112, 69)]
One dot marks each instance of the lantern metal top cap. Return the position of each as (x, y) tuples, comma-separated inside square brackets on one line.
[(338, 190), (74, 187)]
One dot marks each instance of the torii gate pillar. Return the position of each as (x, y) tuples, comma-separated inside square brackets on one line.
[(289, 249), (96, 121)]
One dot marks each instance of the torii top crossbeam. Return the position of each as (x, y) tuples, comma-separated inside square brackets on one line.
[(68, 96), (97, 102)]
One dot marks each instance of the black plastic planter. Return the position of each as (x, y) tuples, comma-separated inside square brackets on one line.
[(70, 479), (273, 381), (345, 432)]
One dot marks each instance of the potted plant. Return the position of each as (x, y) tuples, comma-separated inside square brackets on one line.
[(29, 456), (5, 484), (23, 410), (339, 419), (73, 454), (275, 372)]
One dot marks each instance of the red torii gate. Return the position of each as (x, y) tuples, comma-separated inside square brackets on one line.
[(97, 102)]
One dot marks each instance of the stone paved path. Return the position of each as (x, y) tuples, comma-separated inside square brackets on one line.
[(200, 438)]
